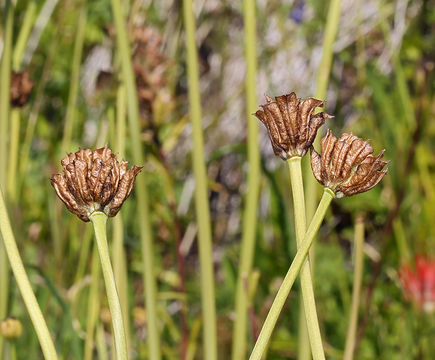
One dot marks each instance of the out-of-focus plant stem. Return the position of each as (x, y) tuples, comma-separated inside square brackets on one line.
[(308, 299), (13, 155), (119, 256), (75, 77), (356, 292), (24, 284), (23, 36), (93, 305), (201, 193), (99, 220), (141, 190), (5, 84), (292, 273), (15, 119), (251, 202), (333, 18), (311, 186)]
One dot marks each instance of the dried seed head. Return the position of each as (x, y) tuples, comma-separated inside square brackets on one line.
[(94, 181), (21, 88), (347, 165), (11, 328), (291, 123)]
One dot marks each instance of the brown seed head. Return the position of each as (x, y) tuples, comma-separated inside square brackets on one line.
[(347, 165), (11, 328), (21, 88), (94, 181), (291, 123)]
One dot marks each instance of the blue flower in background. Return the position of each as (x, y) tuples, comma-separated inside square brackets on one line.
[(297, 14)]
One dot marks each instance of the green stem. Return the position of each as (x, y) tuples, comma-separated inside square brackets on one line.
[(310, 311), (99, 219), (357, 280), (119, 255), (12, 350), (284, 290), (201, 193), (251, 204), (23, 36), (141, 189), (75, 77), (93, 305), (13, 155), (5, 84), (24, 284), (323, 74)]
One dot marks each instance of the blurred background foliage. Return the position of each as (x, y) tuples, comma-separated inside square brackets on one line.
[(381, 87)]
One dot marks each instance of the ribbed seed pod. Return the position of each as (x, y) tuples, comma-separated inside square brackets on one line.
[(291, 123), (347, 165), (94, 181)]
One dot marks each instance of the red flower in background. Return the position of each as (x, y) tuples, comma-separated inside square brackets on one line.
[(418, 283)]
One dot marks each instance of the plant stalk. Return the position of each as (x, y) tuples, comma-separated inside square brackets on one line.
[(201, 191), (310, 311), (99, 219), (24, 284), (75, 77), (251, 203), (284, 290), (356, 292), (141, 189), (5, 84)]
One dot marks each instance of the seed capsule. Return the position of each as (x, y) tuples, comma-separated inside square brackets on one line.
[(94, 181), (291, 123), (347, 165)]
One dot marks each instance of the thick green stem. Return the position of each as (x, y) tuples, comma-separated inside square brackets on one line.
[(141, 189), (357, 280), (310, 311), (75, 77), (99, 221), (5, 83), (251, 203), (284, 290), (24, 284), (201, 191)]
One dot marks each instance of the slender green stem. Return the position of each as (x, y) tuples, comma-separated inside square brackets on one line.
[(93, 305), (141, 189), (75, 77), (24, 284), (251, 203), (99, 221), (284, 290), (12, 350), (311, 185), (201, 193), (25, 28), (357, 280), (13, 155), (119, 256), (323, 74), (5, 80), (310, 311)]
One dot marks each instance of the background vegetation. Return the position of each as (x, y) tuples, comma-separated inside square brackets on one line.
[(381, 87)]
